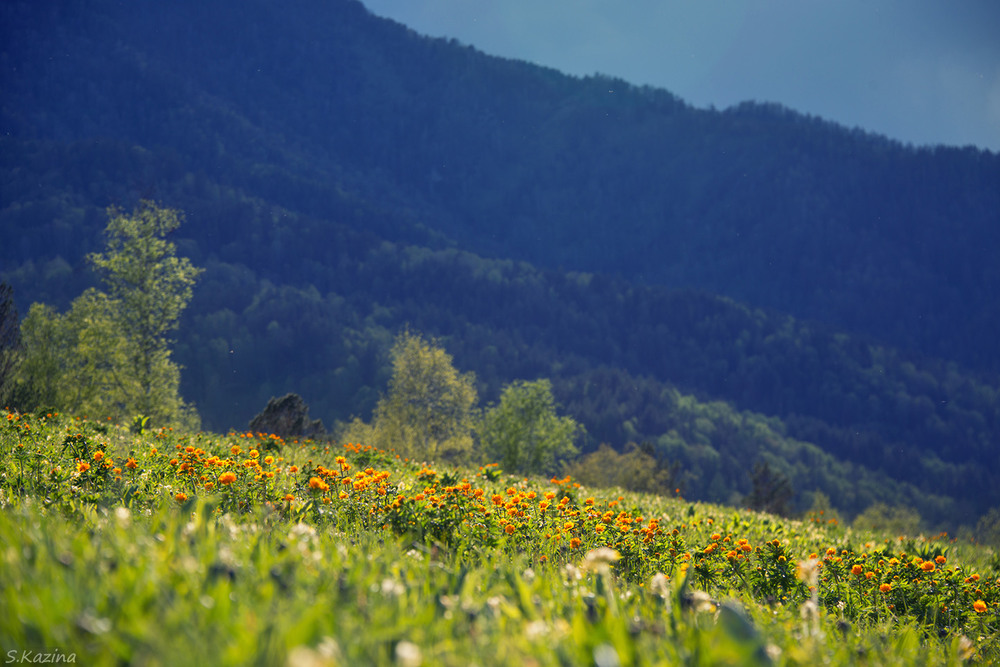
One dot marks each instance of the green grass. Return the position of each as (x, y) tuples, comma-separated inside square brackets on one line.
[(165, 548)]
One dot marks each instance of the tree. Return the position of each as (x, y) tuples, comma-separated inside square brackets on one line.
[(109, 355), (771, 491), (635, 469), (10, 342), (523, 433), (150, 287), (894, 520), (428, 411)]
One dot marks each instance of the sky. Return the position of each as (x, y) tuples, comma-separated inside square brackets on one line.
[(920, 71)]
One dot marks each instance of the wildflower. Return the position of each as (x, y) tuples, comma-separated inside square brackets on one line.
[(268, 460), (293, 469), (927, 566), (227, 478), (979, 606), (289, 497), (885, 588), (98, 455), (235, 450), (181, 497), (940, 560), (82, 466), (600, 559), (509, 529), (808, 571), (131, 463), (318, 484), (660, 584), (575, 543), (857, 569)]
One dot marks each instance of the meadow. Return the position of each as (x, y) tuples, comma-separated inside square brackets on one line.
[(122, 545)]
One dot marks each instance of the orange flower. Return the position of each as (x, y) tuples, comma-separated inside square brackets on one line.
[(885, 588), (857, 570), (509, 529), (575, 543), (318, 484), (227, 478), (940, 560), (928, 566), (82, 466), (180, 497), (98, 456), (289, 497), (131, 464), (979, 606)]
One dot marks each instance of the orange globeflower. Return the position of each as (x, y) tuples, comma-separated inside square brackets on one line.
[(885, 588), (979, 606), (289, 497), (928, 566), (857, 569), (227, 478)]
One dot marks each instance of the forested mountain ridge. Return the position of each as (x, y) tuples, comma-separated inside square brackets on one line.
[(343, 176)]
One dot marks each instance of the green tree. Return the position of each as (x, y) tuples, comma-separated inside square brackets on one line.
[(150, 287), (772, 490), (523, 433), (896, 520), (109, 354), (428, 410), (635, 469)]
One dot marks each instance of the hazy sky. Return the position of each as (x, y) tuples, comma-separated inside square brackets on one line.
[(921, 71)]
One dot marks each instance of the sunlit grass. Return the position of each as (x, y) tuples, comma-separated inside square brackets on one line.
[(154, 548)]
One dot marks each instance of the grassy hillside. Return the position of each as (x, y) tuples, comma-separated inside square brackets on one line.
[(161, 547)]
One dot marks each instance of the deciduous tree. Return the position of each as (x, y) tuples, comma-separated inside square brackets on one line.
[(524, 434), (428, 411), (109, 355)]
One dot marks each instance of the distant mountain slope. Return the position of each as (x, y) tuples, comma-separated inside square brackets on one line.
[(512, 160)]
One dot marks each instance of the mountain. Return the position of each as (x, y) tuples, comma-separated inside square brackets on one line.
[(728, 286)]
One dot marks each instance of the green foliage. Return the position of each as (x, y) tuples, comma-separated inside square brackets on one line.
[(524, 434), (771, 492), (149, 287), (895, 520), (635, 469), (428, 410), (109, 353)]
